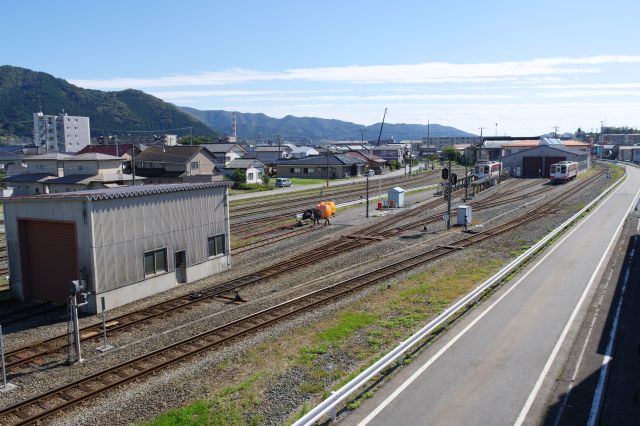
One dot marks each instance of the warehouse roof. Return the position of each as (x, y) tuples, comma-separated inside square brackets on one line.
[(122, 192)]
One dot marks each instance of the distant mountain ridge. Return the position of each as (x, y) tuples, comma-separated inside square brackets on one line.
[(23, 92), (305, 129)]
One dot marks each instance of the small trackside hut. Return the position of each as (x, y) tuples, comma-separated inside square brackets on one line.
[(126, 243)]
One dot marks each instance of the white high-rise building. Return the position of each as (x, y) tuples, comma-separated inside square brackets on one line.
[(61, 133)]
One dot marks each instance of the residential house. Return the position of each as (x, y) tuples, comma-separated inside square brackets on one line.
[(389, 152), (177, 164), (91, 171), (10, 161), (124, 151), (269, 154), (225, 153), (303, 151), (373, 162), (252, 168), (338, 165), (55, 172)]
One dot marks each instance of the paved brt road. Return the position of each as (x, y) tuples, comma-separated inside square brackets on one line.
[(498, 366)]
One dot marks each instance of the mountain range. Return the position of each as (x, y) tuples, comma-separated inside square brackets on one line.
[(23, 92), (306, 129)]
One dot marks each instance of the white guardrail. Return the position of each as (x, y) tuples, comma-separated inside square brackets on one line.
[(329, 404)]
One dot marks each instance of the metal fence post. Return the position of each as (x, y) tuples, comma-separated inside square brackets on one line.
[(334, 413)]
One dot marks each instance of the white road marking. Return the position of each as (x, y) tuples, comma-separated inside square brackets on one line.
[(597, 397), (438, 354), (565, 399), (536, 388)]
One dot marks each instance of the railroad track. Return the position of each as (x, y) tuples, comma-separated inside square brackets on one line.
[(294, 205), (26, 312), (381, 230), (34, 353), (44, 406)]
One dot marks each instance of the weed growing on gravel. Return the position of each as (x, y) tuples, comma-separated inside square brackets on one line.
[(197, 413)]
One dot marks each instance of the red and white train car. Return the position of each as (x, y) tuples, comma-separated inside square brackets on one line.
[(487, 169), (563, 171)]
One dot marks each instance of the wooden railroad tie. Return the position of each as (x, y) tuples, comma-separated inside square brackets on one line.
[(364, 237), (451, 247)]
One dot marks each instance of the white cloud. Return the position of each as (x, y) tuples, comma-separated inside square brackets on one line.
[(429, 72), (185, 96)]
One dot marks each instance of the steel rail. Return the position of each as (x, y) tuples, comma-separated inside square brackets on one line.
[(43, 406)]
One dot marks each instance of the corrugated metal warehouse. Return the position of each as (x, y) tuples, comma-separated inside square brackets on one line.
[(536, 161), (127, 243)]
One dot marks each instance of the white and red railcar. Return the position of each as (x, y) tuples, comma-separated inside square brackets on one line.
[(563, 171), (487, 169)]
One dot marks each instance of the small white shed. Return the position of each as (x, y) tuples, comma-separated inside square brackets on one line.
[(464, 215), (396, 197)]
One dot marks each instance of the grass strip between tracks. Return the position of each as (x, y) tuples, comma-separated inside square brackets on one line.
[(356, 335)]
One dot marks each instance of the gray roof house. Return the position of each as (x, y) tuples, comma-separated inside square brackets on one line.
[(339, 166), (224, 153), (177, 164), (253, 169)]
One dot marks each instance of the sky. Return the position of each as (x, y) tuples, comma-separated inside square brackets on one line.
[(509, 67)]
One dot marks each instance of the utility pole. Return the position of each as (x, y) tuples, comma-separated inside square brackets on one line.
[(367, 195), (326, 154), (555, 132), (466, 179), (428, 140), (133, 164), (449, 195), (496, 129)]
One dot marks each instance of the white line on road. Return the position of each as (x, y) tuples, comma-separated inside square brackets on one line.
[(438, 354), (536, 388), (576, 370), (597, 396)]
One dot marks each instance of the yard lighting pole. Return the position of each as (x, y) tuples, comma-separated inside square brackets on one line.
[(367, 195), (466, 179), (449, 196), (326, 154)]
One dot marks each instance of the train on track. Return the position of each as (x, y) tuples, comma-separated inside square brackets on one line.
[(563, 171), (487, 169)]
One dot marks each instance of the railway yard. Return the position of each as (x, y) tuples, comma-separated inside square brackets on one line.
[(301, 310)]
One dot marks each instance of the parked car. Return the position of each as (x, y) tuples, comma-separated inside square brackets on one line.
[(370, 173), (282, 182)]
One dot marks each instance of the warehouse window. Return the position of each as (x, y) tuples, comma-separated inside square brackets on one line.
[(250, 176), (215, 245), (195, 165), (155, 261)]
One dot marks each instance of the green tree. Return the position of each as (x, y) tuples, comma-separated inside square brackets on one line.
[(393, 165), (195, 140), (450, 153), (266, 178), (239, 176)]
